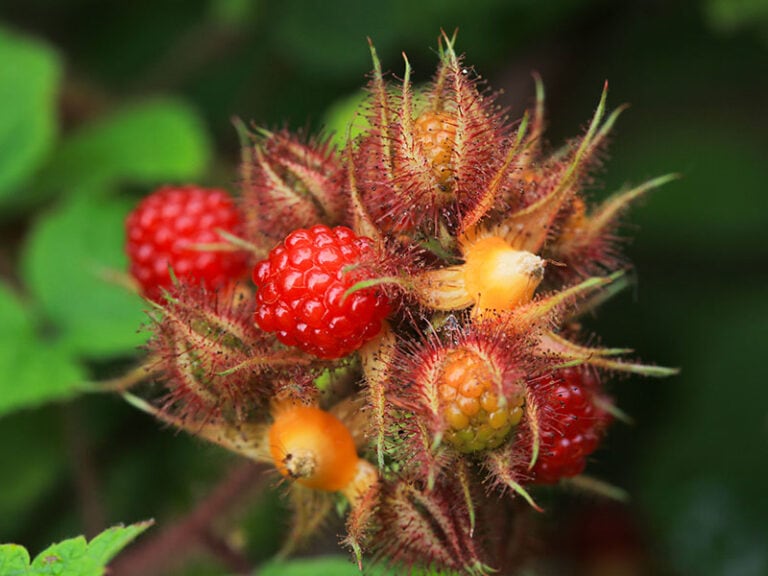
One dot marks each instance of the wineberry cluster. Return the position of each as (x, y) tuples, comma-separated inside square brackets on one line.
[(406, 344)]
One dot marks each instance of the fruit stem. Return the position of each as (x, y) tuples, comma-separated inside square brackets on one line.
[(363, 284), (150, 367), (287, 358)]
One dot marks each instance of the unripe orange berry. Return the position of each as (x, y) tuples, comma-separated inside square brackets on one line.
[(313, 447), (435, 134), (478, 417)]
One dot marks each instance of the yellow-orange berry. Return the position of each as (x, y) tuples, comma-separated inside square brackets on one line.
[(497, 276), (477, 417), (313, 447), (435, 134)]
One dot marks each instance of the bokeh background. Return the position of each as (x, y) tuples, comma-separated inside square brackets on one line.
[(102, 101)]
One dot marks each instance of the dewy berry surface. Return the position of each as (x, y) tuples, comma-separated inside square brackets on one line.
[(478, 417), (166, 230), (572, 426), (301, 287)]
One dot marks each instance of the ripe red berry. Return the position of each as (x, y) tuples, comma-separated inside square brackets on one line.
[(164, 229), (301, 287), (571, 425)]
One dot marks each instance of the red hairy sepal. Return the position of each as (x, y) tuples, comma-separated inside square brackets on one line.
[(427, 156), (361, 521), (415, 526), (214, 361), (290, 182), (426, 413), (587, 242)]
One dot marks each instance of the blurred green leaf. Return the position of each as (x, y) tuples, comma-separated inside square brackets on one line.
[(233, 12), (338, 566), (712, 209), (14, 559), (29, 77), (325, 44), (152, 142), (14, 317), (730, 15), (322, 42), (64, 263), (345, 118), (72, 557), (106, 545), (31, 371)]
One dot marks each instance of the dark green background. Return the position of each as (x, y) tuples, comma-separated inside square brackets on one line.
[(102, 101)]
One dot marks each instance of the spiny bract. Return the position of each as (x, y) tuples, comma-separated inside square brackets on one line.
[(462, 256)]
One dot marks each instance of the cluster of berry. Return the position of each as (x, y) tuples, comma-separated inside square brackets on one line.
[(402, 344)]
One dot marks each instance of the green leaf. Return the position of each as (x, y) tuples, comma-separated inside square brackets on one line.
[(73, 557), (693, 214), (107, 544), (70, 555), (29, 77), (14, 317), (345, 118), (14, 560), (152, 142), (730, 15), (338, 566), (64, 263), (31, 371)]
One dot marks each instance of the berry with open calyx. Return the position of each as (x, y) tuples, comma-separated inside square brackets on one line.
[(478, 417), (435, 133), (572, 425), (302, 287), (166, 232), (494, 276), (455, 397), (499, 277)]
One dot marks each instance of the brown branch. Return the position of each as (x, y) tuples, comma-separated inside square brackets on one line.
[(177, 543), (229, 556)]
